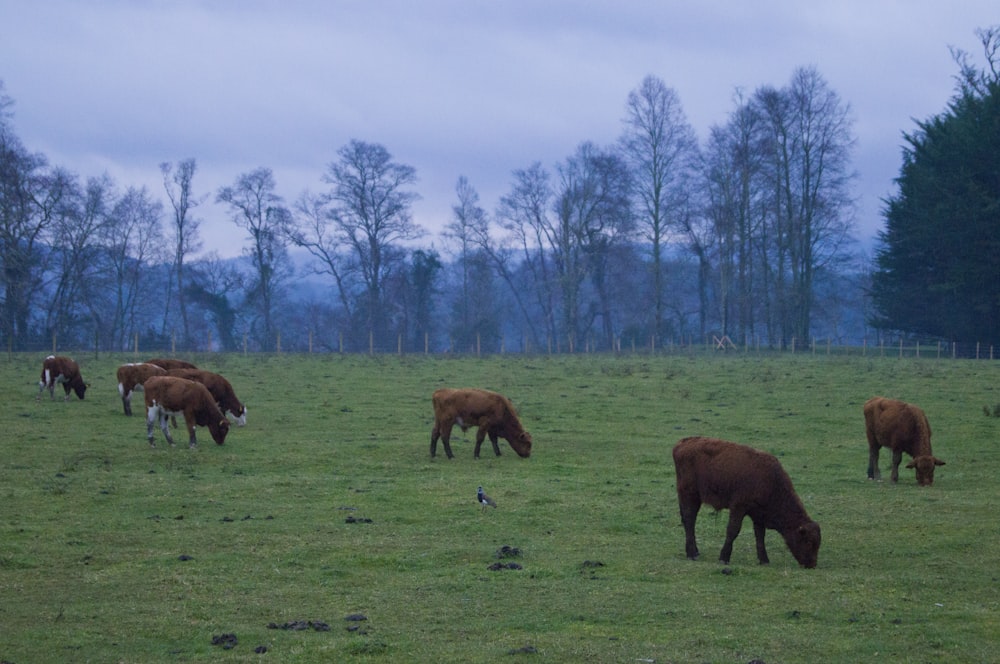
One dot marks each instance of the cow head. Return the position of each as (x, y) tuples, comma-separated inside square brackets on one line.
[(239, 418), (80, 388), (924, 466), (219, 431), (521, 444), (803, 542)]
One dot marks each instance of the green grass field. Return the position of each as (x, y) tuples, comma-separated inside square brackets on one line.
[(111, 551)]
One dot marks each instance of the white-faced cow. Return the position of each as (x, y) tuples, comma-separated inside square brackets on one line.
[(169, 364), (131, 378), (59, 369), (901, 427), (469, 407), (221, 389), (169, 395), (747, 482)]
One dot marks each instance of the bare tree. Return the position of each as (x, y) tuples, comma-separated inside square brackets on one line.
[(256, 208), (475, 311), (76, 246), (31, 199), (592, 213), (972, 79), (370, 207), (662, 149), (133, 240), (178, 184), (212, 281), (735, 207), (313, 230), (808, 161), (525, 214)]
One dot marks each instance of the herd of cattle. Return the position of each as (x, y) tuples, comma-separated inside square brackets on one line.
[(721, 474), (170, 387)]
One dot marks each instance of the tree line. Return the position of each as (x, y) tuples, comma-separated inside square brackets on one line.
[(654, 239)]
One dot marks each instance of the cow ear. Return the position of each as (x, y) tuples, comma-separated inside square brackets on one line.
[(938, 462), (912, 464)]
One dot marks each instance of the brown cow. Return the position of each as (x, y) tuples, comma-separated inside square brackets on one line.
[(131, 378), (901, 427), (59, 369), (747, 482), (221, 389), (469, 407), (169, 395), (169, 364)]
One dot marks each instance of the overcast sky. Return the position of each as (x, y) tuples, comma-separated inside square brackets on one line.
[(450, 87)]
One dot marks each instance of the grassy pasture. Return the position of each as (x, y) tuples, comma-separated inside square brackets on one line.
[(94, 523)]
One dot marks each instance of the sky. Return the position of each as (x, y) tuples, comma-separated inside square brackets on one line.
[(450, 87)]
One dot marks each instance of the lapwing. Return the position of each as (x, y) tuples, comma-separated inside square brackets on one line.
[(485, 500)]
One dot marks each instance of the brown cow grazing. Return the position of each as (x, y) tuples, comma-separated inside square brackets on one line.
[(131, 378), (169, 395), (469, 407), (747, 482), (59, 369), (901, 427), (169, 364), (221, 389)]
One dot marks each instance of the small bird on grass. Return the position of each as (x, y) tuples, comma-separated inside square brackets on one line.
[(485, 500)]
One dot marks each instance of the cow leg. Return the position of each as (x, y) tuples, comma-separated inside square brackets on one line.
[(897, 457), (732, 531), (151, 415), (873, 472), (758, 533), (480, 437), (67, 388), (689, 515), (496, 445), (166, 429), (435, 434), (127, 403), (444, 431), (189, 421)]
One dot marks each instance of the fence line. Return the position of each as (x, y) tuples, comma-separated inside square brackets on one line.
[(712, 344)]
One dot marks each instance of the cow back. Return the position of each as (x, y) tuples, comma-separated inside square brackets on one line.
[(898, 425), (131, 375), (181, 395), (219, 387), (725, 473), (168, 363)]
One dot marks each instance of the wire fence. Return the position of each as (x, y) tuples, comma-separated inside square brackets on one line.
[(710, 345)]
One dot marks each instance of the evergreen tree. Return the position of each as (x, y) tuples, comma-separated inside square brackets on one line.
[(938, 269)]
